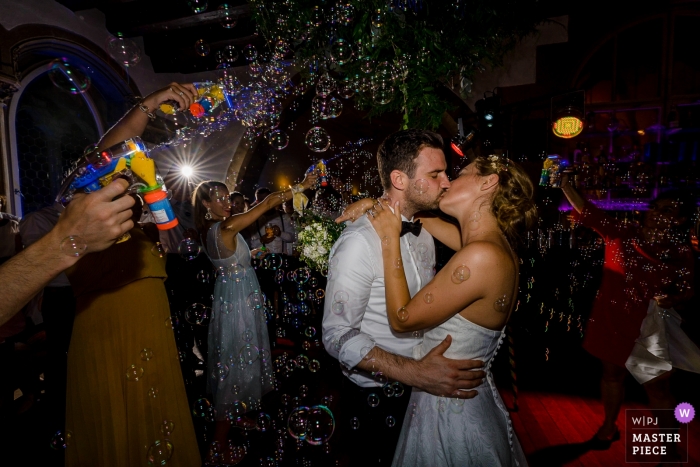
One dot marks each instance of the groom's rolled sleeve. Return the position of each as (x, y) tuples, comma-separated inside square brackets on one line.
[(352, 272)]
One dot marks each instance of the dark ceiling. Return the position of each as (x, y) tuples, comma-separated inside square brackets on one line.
[(170, 29)]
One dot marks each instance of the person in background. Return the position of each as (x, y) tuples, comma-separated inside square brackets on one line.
[(643, 269), (10, 242), (57, 312), (125, 391), (273, 230), (239, 204), (238, 318)]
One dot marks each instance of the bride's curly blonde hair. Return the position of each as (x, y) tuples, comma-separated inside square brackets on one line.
[(512, 203)]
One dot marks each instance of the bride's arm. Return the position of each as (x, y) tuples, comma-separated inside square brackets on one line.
[(462, 281), (445, 231)]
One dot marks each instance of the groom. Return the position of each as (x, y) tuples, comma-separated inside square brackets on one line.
[(355, 327)]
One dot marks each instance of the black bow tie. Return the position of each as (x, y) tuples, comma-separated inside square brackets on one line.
[(411, 227)]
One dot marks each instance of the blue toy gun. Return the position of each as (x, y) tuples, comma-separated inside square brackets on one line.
[(128, 159)]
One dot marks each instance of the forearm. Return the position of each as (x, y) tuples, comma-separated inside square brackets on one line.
[(395, 285), (132, 124), (26, 273), (394, 367), (575, 199)]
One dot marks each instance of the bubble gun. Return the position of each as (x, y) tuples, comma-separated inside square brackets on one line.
[(552, 169), (211, 96), (128, 159)]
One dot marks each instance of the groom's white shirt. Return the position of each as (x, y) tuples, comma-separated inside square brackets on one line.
[(352, 329)]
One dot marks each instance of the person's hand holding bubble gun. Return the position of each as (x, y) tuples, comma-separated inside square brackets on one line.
[(553, 168), (206, 98), (171, 98), (129, 160)]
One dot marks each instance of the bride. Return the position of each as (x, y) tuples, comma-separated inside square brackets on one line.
[(471, 299)]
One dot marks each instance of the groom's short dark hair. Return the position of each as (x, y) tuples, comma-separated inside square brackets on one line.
[(399, 151)]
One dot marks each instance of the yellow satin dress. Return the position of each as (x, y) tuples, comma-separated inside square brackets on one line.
[(126, 398)]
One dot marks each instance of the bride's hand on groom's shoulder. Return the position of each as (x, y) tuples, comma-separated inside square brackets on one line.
[(446, 377), (385, 222), (355, 210)]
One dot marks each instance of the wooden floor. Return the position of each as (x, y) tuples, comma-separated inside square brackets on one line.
[(553, 430)]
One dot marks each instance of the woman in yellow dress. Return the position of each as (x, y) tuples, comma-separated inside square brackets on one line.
[(126, 401)]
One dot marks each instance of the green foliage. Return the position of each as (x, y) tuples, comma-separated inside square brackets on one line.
[(424, 44)]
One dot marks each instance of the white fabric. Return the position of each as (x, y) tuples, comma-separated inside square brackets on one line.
[(662, 345), (356, 268), (446, 432)]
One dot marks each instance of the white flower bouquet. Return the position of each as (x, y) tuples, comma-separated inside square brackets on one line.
[(316, 236)]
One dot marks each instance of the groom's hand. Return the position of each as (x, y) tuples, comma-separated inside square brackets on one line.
[(446, 377)]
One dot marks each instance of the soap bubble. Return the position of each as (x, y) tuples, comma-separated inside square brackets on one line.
[(236, 410), (317, 139), (247, 335), (346, 14), (61, 439), (341, 296), (160, 452), (220, 371), (346, 88), (189, 249), (278, 139), (310, 332), (341, 52), (501, 304), (377, 18), (237, 272), (383, 94), (124, 51), (228, 19), (314, 366), (316, 16), (263, 421), (281, 50), (297, 422), (198, 6), (146, 354), (428, 297), (390, 421), (248, 354), (338, 308), (167, 428), (158, 250), (355, 423), (333, 109), (402, 314), (197, 314), (473, 220), (172, 322), (250, 52), (421, 186), (203, 276), (68, 78), (153, 392), (201, 408), (373, 400), (133, 373), (461, 274), (229, 54), (398, 389), (320, 425), (73, 245), (202, 48), (325, 86)]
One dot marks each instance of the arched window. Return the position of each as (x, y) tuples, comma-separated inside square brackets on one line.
[(51, 125)]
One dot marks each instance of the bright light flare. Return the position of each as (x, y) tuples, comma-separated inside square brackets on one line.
[(186, 171)]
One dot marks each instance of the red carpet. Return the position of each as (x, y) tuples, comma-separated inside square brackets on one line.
[(553, 428)]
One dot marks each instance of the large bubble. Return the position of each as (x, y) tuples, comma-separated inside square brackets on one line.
[(68, 78), (124, 51), (317, 139)]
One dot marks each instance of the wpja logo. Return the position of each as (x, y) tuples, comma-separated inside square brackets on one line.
[(658, 435)]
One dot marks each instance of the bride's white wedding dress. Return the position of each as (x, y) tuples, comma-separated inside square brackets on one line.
[(442, 431)]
